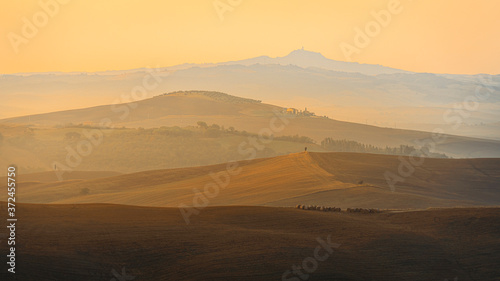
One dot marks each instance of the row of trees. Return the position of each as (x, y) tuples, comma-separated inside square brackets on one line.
[(215, 130), (295, 138), (354, 146), (201, 130)]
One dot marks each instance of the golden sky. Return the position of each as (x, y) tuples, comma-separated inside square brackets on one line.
[(440, 36)]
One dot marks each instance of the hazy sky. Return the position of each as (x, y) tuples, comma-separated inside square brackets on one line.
[(445, 36)]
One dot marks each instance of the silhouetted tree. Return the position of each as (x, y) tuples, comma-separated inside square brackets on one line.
[(202, 125)]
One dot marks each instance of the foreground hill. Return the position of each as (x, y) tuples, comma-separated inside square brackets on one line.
[(187, 108), (102, 242), (331, 179)]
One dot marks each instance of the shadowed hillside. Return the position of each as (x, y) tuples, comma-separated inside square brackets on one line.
[(129, 150), (90, 242)]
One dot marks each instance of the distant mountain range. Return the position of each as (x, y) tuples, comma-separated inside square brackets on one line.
[(347, 91), (300, 58), (307, 59)]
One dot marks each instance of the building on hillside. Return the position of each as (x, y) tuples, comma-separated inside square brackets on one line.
[(298, 112)]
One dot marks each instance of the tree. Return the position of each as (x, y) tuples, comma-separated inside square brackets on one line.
[(202, 125)]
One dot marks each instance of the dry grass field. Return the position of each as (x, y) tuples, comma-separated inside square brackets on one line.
[(331, 179), (88, 241)]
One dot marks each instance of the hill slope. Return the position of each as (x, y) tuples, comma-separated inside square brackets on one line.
[(90, 242), (331, 179), (187, 108), (341, 90)]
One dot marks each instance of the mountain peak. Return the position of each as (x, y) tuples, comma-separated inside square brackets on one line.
[(305, 54)]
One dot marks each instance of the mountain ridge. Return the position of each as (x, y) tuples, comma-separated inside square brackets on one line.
[(299, 57), (340, 90), (308, 59)]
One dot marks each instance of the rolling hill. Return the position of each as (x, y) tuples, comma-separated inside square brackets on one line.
[(330, 179), (187, 108), (345, 91), (103, 242)]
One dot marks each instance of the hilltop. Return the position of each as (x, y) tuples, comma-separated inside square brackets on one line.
[(216, 96), (348, 91), (187, 108), (329, 179)]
